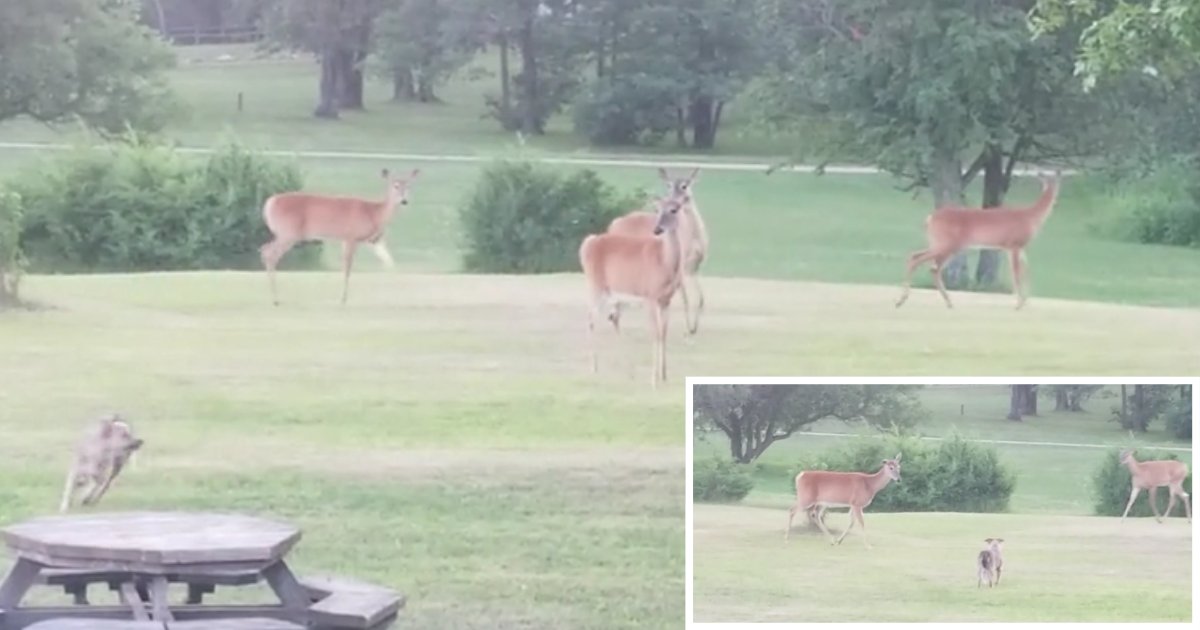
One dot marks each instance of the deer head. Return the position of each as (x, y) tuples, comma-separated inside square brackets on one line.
[(397, 190)]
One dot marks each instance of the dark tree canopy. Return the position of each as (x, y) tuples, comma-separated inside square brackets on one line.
[(89, 59), (754, 417)]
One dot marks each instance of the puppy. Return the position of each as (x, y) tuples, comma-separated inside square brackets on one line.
[(990, 562), (99, 458)]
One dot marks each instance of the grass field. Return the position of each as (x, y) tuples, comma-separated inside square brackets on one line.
[(921, 569)]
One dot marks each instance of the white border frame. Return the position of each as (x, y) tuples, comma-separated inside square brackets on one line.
[(930, 380)]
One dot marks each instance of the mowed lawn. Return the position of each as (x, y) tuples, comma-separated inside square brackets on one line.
[(439, 435), (922, 568)]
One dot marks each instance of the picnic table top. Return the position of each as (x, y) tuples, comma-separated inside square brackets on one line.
[(150, 538)]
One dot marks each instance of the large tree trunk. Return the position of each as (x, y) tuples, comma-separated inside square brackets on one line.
[(947, 185), (531, 98), (703, 112), (402, 85), (1124, 407), (994, 185), (327, 99), (505, 77), (1017, 403), (680, 128), (1061, 400), (1031, 400), (350, 93)]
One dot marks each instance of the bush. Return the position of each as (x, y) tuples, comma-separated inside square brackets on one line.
[(525, 220), (720, 481), (1179, 419), (954, 476), (1164, 207), (1112, 483), (633, 110), (140, 206), (12, 261)]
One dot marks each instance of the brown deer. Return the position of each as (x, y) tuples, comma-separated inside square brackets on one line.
[(990, 562), (950, 229), (693, 238), (105, 449), (1150, 476), (817, 490), (635, 267), (296, 216)]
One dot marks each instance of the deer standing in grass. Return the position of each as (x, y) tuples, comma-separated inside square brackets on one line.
[(693, 238), (951, 229), (635, 267), (295, 216), (1150, 476), (817, 490)]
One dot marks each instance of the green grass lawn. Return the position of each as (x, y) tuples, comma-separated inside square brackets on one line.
[(440, 435), (921, 569)]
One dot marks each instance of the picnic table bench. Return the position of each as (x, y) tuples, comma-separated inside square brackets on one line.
[(140, 554)]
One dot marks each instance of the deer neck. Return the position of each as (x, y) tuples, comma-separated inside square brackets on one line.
[(670, 254), (1045, 204), (695, 224), (879, 480)]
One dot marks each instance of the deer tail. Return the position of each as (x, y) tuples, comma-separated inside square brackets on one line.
[(798, 476)]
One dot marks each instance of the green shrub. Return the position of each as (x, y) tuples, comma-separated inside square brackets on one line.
[(717, 480), (633, 110), (1179, 419), (141, 206), (1112, 483), (1163, 207), (953, 476), (12, 261), (521, 219)]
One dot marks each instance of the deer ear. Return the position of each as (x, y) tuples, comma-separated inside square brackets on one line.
[(414, 173), (988, 540), (384, 173), (1000, 540), (662, 172), (898, 456), (695, 173)]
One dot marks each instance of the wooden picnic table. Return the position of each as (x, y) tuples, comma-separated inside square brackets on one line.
[(143, 552)]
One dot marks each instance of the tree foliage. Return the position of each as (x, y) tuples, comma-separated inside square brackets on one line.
[(413, 44), (12, 259), (91, 59), (933, 91), (753, 417), (1143, 405)]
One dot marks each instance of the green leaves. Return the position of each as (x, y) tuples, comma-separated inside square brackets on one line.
[(69, 58)]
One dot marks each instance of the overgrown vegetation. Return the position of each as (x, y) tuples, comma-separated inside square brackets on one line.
[(138, 205), (526, 219), (716, 480), (1112, 484), (1163, 207), (954, 476), (12, 260)]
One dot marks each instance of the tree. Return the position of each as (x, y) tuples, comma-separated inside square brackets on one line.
[(754, 417), (337, 31), (1023, 401), (12, 260), (1072, 397), (81, 58), (935, 92), (1147, 403), (1159, 37), (410, 39)]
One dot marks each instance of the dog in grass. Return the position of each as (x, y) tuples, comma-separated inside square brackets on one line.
[(104, 450), (990, 562)]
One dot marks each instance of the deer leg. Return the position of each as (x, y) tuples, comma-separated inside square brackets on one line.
[(1183, 498), (271, 253), (348, 249), (73, 481), (664, 318), (939, 265), (99, 492), (916, 259), (1014, 260), (820, 521), (848, 528), (1132, 496), (857, 513), (382, 253), (791, 515), (591, 330), (1152, 497), (687, 309), (694, 324), (1170, 501)]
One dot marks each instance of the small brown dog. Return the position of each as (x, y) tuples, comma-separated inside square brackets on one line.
[(990, 561), (99, 458)]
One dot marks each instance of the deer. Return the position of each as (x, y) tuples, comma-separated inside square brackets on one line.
[(817, 490), (104, 450), (990, 562), (951, 229), (1150, 476), (645, 267), (693, 237), (293, 217)]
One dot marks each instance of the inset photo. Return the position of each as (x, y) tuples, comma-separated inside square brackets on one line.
[(822, 500)]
